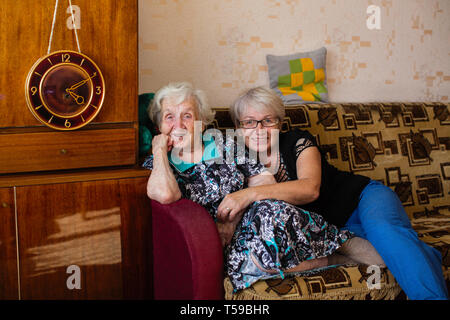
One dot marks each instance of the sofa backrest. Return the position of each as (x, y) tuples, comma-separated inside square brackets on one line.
[(406, 146)]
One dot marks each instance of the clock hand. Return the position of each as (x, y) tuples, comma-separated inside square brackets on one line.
[(78, 99), (79, 84)]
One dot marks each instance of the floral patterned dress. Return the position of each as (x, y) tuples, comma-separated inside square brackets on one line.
[(274, 234)]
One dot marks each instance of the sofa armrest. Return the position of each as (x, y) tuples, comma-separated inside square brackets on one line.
[(187, 252)]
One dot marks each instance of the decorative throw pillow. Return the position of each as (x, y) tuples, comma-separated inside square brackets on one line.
[(300, 77), (146, 128)]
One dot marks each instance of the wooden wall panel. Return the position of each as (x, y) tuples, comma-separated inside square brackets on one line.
[(8, 256), (108, 35)]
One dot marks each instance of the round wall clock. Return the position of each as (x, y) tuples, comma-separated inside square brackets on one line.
[(65, 90)]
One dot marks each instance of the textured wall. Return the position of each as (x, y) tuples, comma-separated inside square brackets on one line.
[(220, 45)]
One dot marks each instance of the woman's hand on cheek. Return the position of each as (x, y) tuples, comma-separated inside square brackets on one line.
[(162, 142), (169, 143)]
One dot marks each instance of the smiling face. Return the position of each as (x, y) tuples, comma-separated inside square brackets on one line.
[(177, 121), (260, 138)]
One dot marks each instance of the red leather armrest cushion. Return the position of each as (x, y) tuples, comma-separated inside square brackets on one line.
[(187, 252)]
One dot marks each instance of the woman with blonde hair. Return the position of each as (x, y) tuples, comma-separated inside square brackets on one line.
[(353, 202), (271, 236)]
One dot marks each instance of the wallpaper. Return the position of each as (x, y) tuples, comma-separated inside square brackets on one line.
[(379, 50)]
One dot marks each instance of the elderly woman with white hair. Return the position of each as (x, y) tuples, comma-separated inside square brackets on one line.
[(352, 202), (272, 237)]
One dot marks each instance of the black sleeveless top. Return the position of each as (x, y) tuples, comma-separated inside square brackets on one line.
[(339, 190)]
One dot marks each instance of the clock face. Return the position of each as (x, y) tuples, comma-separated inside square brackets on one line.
[(65, 90)]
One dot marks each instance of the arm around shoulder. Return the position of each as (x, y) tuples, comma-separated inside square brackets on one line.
[(305, 189)]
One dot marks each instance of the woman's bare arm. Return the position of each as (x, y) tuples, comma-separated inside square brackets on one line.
[(304, 190), (162, 185)]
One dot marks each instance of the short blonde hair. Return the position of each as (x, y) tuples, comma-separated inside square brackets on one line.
[(180, 92), (258, 98)]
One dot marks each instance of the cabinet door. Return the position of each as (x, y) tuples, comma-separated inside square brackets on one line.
[(136, 232), (8, 251), (70, 239)]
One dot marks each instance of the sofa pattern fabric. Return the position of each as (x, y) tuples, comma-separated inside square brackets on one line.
[(351, 282), (406, 146)]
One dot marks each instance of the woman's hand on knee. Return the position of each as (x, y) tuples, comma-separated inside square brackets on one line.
[(226, 231), (234, 204)]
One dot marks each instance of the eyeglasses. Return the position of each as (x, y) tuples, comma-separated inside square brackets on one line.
[(252, 124)]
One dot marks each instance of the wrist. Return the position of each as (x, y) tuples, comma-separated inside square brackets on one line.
[(256, 194), (160, 159), (159, 152)]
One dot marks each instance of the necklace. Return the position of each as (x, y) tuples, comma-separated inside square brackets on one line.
[(273, 169)]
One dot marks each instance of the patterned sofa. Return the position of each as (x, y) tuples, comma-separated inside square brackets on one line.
[(404, 145)]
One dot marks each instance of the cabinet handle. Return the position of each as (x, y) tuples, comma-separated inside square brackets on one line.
[(5, 205), (63, 151)]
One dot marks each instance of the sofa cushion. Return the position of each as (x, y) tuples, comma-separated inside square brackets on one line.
[(299, 77), (146, 128), (346, 282), (406, 146), (350, 282)]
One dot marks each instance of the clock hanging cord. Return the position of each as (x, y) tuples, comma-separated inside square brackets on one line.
[(53, 26)]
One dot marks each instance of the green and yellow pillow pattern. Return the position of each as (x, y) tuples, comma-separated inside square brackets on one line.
[(299, 78)]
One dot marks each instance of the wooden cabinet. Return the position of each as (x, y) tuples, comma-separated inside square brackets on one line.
[(42, 151), (8, 246), (94, 227), (72, 202)]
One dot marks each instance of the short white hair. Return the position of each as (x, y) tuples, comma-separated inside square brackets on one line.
[(259, 98), (179, 92)]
